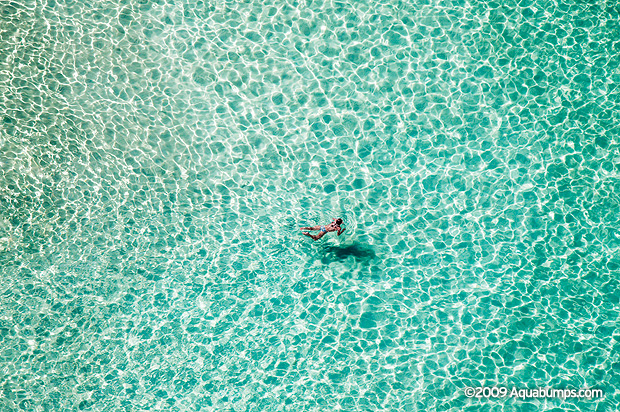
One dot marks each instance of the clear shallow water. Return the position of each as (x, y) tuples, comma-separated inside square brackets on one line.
[(158, 157)]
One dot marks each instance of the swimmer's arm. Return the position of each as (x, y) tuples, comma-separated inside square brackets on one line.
[(340, 231), (310, 228)]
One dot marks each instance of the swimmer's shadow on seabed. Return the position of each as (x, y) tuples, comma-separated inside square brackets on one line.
[(360, 252)]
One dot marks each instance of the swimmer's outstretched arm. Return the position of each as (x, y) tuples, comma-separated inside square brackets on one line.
[(340, 231), (310, 228)]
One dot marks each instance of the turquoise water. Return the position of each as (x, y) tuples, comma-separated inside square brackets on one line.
[(158, 157)]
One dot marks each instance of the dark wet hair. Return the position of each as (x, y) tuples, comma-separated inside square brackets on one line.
[(338, 221)]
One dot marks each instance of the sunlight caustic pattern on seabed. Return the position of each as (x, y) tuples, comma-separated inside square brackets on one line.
[(158, 157)]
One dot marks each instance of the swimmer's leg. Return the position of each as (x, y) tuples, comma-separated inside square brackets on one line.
[(309, 235)]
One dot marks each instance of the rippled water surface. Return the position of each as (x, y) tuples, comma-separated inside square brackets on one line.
[(157, 159)]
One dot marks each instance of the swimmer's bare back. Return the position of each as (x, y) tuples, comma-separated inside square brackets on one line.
[(332, 227)]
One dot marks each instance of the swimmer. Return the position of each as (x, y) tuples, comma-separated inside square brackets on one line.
[(332, 227)]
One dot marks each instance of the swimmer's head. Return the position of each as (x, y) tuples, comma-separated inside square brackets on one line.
[(338, 221)]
